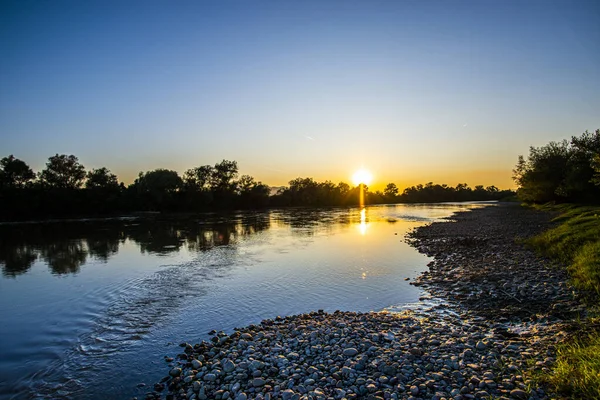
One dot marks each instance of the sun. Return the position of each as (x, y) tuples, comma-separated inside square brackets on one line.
[(362, 176)]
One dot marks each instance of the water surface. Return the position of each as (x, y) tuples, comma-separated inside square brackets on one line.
[(90, 308)]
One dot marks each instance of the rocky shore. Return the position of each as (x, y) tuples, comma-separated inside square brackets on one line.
[(497, 311)]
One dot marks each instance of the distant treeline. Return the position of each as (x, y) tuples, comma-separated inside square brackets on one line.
[(567, 171), (307, 192), (65, 189)]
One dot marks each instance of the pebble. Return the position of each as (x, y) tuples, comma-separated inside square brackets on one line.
[(350, 352), (492, 312)]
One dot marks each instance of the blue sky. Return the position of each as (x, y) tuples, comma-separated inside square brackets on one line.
[(414, 91)]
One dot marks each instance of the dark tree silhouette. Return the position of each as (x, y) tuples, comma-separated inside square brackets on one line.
[(59, 192), (223, 183), (222, 177), (198, 179), (63, 172), (158, 188), (14, 173), (561, 171), (391, 190), (101, 178)]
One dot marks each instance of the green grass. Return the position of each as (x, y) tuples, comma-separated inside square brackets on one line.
[(576, 372), (575, 241)]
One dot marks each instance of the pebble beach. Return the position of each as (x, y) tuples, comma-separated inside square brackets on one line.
[(491, 314)]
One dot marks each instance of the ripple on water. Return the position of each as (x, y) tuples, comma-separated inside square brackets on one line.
[(137, 306)]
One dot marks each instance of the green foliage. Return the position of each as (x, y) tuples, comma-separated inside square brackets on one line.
[(576, 242), (596, 168), (577, 369), (63, 172), (14, 173), (560, 171)]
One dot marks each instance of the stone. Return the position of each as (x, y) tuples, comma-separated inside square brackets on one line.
[(518, 394), (350, 352), (258, 382), (228, 366), (287, 394), (210, 377)]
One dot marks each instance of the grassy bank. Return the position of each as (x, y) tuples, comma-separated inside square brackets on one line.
[(575, 241)]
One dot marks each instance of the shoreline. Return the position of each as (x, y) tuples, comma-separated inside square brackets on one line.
[(501, 310)]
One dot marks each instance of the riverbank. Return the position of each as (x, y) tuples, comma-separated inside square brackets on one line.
[(499, 311)]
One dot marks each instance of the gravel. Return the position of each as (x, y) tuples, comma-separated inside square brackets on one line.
[(491, 314)]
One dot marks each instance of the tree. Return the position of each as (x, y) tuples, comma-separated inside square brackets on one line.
[(63, 172), (579, 178), (596, 167), (159, 181), (245, 183), (14, 173), (541, 177), (391, 190), (198, 179), (222, 177), (252, 193), (101, 178), (157, 188)]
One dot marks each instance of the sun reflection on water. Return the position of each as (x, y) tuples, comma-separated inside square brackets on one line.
[(363, 222)]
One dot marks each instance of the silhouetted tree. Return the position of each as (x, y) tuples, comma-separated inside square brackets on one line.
[(540, 177), (101, 178), (63, 172), (14, 173), (223, 183), (390, 191), (223, 175), (157, 188), (198, 179), (252, 194), (563, 171), (104, 193)]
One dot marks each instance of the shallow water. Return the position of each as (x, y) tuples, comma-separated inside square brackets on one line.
[(90, 308)]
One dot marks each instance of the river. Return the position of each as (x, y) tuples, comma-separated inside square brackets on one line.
[(90, 308)]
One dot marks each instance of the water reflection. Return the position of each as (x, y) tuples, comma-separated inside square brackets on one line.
[(65, 256), (16, 258), (230, 273), (66, 246), (362, 227)]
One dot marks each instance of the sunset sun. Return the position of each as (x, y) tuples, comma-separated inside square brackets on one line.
[(362, 176)]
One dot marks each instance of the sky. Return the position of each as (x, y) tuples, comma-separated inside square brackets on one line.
[(414, 91)]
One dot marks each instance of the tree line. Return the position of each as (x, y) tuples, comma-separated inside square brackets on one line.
[(306, 191), (65, 188), (567, 171)]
